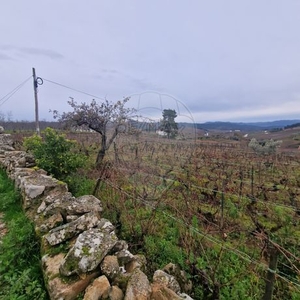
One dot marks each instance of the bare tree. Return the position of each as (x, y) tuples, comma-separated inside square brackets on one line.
[(99, 117)]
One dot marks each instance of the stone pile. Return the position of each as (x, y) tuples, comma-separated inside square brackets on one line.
[(80, 252)]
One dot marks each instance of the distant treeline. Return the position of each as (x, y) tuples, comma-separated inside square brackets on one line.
[(292, 126), (28, 125), (146, 126)]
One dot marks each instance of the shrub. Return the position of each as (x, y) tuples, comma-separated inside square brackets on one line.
[(54, 153), (80, 185), (265, 147)]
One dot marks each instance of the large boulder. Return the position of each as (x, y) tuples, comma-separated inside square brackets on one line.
[(99, 289), (19, 173), (58, 287), (161, 292), (48, 224), (69, 207), (36, 187), (90, 248), (16, 159), (53, 204), (67, 231), (82, 205), (115, 293), (138, 287), (5, 139), (32, 190), (180, 275), (167, 280), (138, 261), (110, 267)]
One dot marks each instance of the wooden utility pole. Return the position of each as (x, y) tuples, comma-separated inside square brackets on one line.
[(35, 85)]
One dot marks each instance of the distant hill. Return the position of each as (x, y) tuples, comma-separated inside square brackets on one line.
[(251, 126), (276, 124), (226, 126), (292, 126), (147, 126)]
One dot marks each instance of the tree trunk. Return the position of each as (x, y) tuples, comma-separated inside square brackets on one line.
[(100, 157), (105, 145), (102, 151), (117, 159), (102, 177)]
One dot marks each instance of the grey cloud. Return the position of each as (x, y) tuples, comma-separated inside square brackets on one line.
[(143, 84), (136, 84), (31, 51), (222, 61), (42, 52), (5, 57), (140, 83), (109, 71), (6, 47), (106, 74)]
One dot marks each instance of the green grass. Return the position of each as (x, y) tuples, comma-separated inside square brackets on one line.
[(20, 270)]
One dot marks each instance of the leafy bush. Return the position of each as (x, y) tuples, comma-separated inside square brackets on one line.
[(265, 147), (54, 153), (80, 185)]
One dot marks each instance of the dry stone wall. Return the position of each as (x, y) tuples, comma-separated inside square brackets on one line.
[(81, 255)]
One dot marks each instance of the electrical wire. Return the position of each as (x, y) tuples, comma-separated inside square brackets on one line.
[(70, 88), (11, 93)]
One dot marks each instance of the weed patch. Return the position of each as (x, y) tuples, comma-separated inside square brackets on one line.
[(20, 270)]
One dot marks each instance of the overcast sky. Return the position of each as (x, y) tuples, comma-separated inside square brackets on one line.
[(210, 60)]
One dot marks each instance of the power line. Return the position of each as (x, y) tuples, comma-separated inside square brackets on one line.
[(11, 93), (67, 87)]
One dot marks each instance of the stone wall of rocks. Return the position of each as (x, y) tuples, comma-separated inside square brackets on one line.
[(81, 256)]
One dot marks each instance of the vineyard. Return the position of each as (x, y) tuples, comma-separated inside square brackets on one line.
[(228, 216)]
